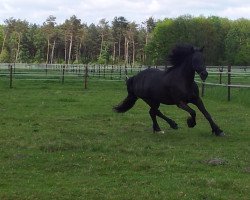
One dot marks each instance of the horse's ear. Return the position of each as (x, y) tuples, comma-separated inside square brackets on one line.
[(201, 49)]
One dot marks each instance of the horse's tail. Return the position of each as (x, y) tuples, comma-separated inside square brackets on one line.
[(129, 101)]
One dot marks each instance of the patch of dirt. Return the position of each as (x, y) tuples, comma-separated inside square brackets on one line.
[(216, 161), (247, 170)]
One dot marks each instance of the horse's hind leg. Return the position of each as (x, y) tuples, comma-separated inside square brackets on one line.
[(191, 120), (156, 127), (171, 122), (153, 112)]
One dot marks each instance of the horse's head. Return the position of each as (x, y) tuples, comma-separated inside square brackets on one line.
[(198, 63)]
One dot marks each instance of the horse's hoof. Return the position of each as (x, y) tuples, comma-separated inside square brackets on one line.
[(159, 132), (190, 122), (174, 126), (219, 133)]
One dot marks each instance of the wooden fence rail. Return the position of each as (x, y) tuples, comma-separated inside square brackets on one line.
[(110, 72)]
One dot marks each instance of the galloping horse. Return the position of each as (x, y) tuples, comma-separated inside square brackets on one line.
[(175, 86)]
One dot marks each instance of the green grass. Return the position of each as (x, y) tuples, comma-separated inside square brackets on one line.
[(63, 142)]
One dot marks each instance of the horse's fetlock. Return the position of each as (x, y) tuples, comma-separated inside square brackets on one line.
[(191, 122)]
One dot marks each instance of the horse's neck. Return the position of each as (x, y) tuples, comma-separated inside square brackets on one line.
[(187, 73)]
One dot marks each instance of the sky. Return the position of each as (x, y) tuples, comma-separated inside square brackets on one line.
[(92, 11)]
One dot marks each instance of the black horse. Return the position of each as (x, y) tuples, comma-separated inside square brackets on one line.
[(175, 86)]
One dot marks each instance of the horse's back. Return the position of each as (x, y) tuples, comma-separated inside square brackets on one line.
[(161, 87), (148, 75), (149, 83)]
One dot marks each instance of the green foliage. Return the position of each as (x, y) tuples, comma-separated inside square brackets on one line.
[(40, 44), (92, 44), (238, 43), (4, 56), (243, 56), (159, 46), (1, 35), (104, 55), (225, 41)]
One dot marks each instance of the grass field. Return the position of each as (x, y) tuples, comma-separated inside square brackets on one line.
[(60, 142)]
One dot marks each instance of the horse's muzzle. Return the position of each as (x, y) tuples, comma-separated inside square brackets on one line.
[(203, 75)]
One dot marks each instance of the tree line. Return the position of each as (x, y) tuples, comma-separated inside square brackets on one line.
[(120, 41), (226, 42)]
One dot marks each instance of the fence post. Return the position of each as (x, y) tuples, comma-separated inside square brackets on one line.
[(46, 69), (86, 77), (229, 83), (79, 69), (93, 70), (220, 70), (112, 70), (104, 71), (11, 75), (120, 72), (99, 71), (63, 72), (126, 72), (14, 68)]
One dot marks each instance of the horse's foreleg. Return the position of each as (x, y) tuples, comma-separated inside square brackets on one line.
[(191, 120), (215, 128), (168, 120)]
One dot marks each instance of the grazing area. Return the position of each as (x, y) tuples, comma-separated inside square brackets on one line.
[(62, 142)]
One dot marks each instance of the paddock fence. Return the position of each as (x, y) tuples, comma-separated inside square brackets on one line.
[(219, 76)]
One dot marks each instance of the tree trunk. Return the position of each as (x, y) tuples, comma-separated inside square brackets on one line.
[(52, 52), (133, 61), (70, 47), (18, 47), (4, 39), (114, 54), (119, 49), (78, 52), (125, 49), (126, 45), (47, 57), (65, 51), (145, 56), (102, 36)]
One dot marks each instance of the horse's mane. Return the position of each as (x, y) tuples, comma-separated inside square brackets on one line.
[(179, 53)]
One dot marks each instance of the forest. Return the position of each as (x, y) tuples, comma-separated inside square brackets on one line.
[(226, 42)]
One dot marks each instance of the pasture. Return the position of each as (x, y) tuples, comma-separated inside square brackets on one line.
[(63, 142)]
